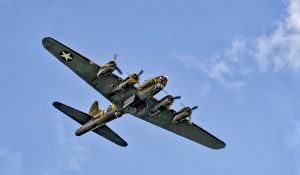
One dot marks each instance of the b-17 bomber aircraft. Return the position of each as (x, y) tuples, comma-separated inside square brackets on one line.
[(127, 97)]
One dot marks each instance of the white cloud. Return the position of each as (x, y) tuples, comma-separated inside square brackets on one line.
[(281, 48), (275, 51), (237, 50), (220, 70)]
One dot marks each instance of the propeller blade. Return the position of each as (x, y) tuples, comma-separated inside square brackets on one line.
[(140, 73), (195, 107), (182, 105), (119, 70), (177, 97), (115, 57), (167, 93)]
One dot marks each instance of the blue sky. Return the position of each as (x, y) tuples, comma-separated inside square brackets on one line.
[(237, 60)]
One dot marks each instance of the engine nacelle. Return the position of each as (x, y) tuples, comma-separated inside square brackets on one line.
[(105, 70), (182, 114), (108, 68), (163, 103), (130, 81)]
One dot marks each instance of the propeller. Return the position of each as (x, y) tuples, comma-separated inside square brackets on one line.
[(141, 72), (177, 97), (115, 57), (182, 105), (138, 76), (193, 108), (174, 98), (190, 117), (117, 68)]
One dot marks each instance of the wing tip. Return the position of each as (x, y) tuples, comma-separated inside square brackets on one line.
[(56, 104), (123, 144), (219, 145), (46, 40)]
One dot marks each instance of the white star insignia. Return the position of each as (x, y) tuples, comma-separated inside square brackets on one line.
[(66, 55)]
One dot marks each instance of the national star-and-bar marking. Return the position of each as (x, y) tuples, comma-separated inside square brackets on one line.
[(66, 55)]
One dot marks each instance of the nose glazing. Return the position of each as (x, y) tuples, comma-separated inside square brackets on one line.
[(164, 80)]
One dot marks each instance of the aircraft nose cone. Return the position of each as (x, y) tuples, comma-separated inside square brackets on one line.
[(165, 80)]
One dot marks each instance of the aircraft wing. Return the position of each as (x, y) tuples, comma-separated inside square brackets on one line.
[(184, 128), (85, 68), (82, 118)]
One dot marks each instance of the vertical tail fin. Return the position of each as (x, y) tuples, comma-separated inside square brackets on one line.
[(94, 110)]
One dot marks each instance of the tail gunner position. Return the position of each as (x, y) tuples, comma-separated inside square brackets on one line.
[(127, 97)]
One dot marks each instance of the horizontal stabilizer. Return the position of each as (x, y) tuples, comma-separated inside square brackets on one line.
[(75, 114), (109, 134), (82, 118)]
